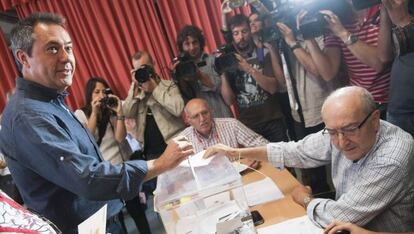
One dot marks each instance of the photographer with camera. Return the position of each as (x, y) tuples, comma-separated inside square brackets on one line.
[(205, 83), (155, 104), (104, 118), (363, 46), (308, 91), (252, 84), (401, 104)]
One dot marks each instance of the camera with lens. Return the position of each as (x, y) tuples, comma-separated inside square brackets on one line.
[(285, 14), (144, 73), (314, 24), (185, 75), (227, 60), (186, 69), (269, 34), (108, 102)]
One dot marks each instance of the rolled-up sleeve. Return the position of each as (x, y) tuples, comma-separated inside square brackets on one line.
[(313, 151)]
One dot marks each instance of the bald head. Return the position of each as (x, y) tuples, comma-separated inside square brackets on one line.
[(199, 116), (194, 103), (352, 98)]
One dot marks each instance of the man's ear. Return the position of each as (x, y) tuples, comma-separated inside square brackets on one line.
[(185, 117), (376, 118), (22, 57)]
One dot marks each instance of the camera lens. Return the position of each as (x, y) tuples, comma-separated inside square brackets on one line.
[(143, 73)]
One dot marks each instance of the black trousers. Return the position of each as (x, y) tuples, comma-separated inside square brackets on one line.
[(273, 131)]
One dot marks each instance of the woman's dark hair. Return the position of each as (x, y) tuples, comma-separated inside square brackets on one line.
[(104, 117), (190, 31)]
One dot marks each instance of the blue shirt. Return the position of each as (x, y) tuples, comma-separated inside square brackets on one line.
[(56, 162)]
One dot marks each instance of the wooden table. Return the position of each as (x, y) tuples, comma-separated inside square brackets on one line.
[(280, 210)]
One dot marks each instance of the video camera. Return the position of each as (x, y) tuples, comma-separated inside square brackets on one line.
[(312, 25), (285, 13), (108, 102), (144, 73), (226, 61), (186, 69)]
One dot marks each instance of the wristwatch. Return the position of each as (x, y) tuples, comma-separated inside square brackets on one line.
[(295, 46), (352, 39), (306, 201)]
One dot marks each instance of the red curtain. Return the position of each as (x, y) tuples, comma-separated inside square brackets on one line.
[(107, 32), (9, 4), (105, 35), (8, 71)]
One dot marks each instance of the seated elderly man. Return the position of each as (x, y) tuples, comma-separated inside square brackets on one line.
[(372, 164), (206, 131)]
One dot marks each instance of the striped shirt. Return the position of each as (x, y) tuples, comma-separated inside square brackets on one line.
[(359, 73), (227, 131), (376, 192)]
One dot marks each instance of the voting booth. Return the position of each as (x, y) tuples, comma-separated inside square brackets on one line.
[(203, 197)]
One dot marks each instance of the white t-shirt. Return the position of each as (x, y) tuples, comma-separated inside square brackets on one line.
[(109, 146)]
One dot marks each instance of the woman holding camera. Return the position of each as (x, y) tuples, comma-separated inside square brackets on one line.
[(104, 118)]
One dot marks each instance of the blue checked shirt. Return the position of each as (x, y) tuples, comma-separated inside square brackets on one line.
[(376, 192)]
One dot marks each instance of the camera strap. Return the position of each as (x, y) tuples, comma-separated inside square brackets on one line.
[(284, 49)]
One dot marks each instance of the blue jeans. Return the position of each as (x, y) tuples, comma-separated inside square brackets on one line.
[(404, 121), (114, 227)]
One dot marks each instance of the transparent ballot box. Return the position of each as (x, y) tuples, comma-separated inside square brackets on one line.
[(203, 197)]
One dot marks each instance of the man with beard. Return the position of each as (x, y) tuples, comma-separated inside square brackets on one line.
[(253, 85), (207, 83)]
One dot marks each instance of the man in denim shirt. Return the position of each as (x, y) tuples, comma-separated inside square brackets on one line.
[(54, 160)]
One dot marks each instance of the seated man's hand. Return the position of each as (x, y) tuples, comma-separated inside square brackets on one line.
[(336, 226), (178, 149), (300, 193), (229, 152)]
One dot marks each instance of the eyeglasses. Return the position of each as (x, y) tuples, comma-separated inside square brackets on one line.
[(348, 131)]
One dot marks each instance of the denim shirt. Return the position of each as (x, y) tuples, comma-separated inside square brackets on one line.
[(56, 163)]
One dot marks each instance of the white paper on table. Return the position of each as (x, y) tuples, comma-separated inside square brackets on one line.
[(240, 167), (96, 224), (262, 191), (197, 160), (301, 225)]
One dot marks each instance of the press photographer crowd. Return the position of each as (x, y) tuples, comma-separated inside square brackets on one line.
[(323, 88)]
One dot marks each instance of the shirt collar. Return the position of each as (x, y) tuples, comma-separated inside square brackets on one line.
[(37, 91)]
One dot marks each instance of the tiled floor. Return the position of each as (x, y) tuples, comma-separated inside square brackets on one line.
[(153, 219)]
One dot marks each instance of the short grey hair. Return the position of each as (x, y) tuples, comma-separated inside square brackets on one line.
[(21, 35), (367, 100)]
